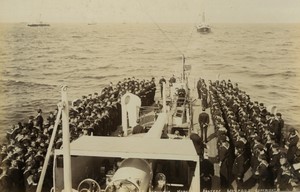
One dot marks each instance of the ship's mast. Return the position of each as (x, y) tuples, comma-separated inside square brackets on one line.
[(66, 141), (49, 150)]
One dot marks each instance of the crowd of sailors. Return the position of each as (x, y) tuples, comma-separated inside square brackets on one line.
[(250, 138), (23, 155)]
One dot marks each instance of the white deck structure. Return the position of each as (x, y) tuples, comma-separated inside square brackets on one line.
[(133, 147), (150, 149)]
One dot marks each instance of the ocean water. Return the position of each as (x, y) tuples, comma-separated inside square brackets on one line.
[(34, 62)]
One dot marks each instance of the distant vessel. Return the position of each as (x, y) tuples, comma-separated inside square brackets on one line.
[(203, 27), (38, 25)]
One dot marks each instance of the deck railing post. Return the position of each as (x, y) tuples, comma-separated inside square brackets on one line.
[(164, 98), (66, 141), (49, 150)]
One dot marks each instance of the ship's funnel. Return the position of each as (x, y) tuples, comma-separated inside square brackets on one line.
[(139, 178)]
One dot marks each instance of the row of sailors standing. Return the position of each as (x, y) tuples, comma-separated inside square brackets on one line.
[(172, 80), (249, 136), (101, 114), (22, 158)]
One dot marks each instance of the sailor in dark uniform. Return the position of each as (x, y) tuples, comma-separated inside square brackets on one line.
[(11, 134), (161, 82), (99, 131), (160, 182), (172, 80), (58, 143), (7, 160), (138, 128), (283, 180), (262, 173), (31, 180), (105, 123), (181, 96), (281, 126), (5, 180), (181, 92), (206, 173), (203, 122), (198, 144), (274, 161), (147, 93), (39, 119), (112, 117), (3, 153), (51, 118), (204, 96), (119, 109), (238, 169), (292, 141), (17, 175), (256, 108), (143, 96), (20, 162), (273, 125), (30, 123), (229, 84), (224, 158), (199, 86), (152, 89)]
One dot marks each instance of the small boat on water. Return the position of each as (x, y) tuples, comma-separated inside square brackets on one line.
[(203, 27), (39, 25)]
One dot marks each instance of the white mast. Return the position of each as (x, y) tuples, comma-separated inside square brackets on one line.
[(66, 141), (45, 165), (203, 17)]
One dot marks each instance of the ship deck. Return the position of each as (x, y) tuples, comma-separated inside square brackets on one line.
[(211, 151)]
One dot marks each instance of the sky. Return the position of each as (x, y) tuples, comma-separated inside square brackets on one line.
[(166, 11)]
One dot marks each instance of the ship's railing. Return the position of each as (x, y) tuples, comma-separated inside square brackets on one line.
[(148, 115)]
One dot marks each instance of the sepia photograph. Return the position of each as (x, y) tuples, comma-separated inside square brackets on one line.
[(149, 95)]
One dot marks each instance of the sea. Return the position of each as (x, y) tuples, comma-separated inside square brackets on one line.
[(264, 59)]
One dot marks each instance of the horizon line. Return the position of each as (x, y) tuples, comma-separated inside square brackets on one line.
[(145, 22)]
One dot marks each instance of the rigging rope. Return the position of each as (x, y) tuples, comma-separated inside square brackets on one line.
[(189, 40), (164, 33), (160, 29)]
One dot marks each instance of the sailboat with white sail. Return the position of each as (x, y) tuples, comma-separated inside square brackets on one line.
[(203, 28)]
